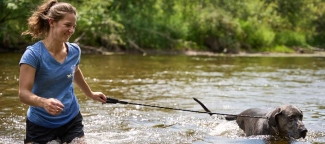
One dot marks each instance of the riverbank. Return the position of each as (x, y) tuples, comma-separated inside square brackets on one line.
[(318, 53), (264, 54), (208, 53)]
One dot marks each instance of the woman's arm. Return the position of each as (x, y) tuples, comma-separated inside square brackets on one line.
[(26, 82), (82, 84)]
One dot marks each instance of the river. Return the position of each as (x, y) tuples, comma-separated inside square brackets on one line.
[(224, 84)]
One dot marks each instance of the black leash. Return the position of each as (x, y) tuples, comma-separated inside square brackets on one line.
[(228, 116)]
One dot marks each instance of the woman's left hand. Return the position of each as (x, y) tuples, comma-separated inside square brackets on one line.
[(98, 96)]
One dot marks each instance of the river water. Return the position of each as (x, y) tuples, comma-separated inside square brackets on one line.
[(224, 84)]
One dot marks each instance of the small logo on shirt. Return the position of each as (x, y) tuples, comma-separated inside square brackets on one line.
[(73, 69)]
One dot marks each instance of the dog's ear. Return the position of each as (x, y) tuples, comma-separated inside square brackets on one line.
[(302, 114), (300, 110), (272, 119)]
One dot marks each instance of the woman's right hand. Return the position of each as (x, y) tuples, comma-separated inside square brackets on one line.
[(53, 106)]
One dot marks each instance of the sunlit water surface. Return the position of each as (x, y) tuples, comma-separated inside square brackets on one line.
[(225, 85)]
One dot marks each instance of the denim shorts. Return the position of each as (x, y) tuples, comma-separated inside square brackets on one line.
[(65, 133)]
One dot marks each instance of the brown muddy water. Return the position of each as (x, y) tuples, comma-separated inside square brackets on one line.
[(224, 84)]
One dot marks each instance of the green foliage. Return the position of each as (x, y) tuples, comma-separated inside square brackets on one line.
[(215, 28), (94, 19), (258, 36), (291, 38), (215, 25), (13, 18), (279, 49), (318, 24)]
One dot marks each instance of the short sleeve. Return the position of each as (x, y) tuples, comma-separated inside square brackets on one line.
[(29, 57), (74, 45)]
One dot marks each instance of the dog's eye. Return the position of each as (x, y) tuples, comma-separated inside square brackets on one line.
[(290, 118)]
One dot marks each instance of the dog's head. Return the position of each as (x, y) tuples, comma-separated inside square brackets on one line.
[(287, 121)]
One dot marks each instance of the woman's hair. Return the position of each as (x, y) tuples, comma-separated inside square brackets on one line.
[(38, 23)]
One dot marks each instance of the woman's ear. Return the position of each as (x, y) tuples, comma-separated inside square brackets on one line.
[(51, 22)]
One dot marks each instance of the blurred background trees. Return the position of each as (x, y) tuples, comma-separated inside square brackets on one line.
[(229, 26)]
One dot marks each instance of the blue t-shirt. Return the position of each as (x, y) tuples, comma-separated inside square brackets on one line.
[(53, 80)]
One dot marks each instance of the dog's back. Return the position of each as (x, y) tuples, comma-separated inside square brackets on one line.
[(252, 122)]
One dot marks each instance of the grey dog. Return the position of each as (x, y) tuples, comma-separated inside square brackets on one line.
[(285, 121)]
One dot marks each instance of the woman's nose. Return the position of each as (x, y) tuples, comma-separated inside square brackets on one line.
[(71, 30)]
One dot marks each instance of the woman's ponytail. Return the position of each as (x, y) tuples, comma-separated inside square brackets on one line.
[(38, 24)]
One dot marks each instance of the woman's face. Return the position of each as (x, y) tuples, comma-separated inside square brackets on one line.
[(64, 28)]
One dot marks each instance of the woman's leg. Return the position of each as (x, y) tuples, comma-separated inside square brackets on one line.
[(38, 134), (72, 130)]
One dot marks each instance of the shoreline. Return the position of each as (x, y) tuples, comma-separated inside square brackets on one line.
[(201, 53), (212, 54), (265, 54)]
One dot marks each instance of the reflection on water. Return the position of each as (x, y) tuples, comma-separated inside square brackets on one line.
[(224, 84)]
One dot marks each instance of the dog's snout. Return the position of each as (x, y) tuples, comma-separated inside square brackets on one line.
[(303, 132)]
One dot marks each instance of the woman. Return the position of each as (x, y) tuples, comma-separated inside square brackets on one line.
[(47, 72)]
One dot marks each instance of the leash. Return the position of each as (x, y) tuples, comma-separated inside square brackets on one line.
[(228, 116)]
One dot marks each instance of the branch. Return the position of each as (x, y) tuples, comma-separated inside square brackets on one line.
[(98, 50), (137, 47), (78, 38), (161, 34)]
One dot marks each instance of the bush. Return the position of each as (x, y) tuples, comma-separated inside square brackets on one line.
[(215, 29), (291, 39), (257, 35), (280, 48)]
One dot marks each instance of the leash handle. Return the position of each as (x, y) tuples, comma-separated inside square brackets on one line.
[(111, 100), (115, 101)]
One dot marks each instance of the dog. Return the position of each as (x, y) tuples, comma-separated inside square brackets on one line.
[(284, 121)]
